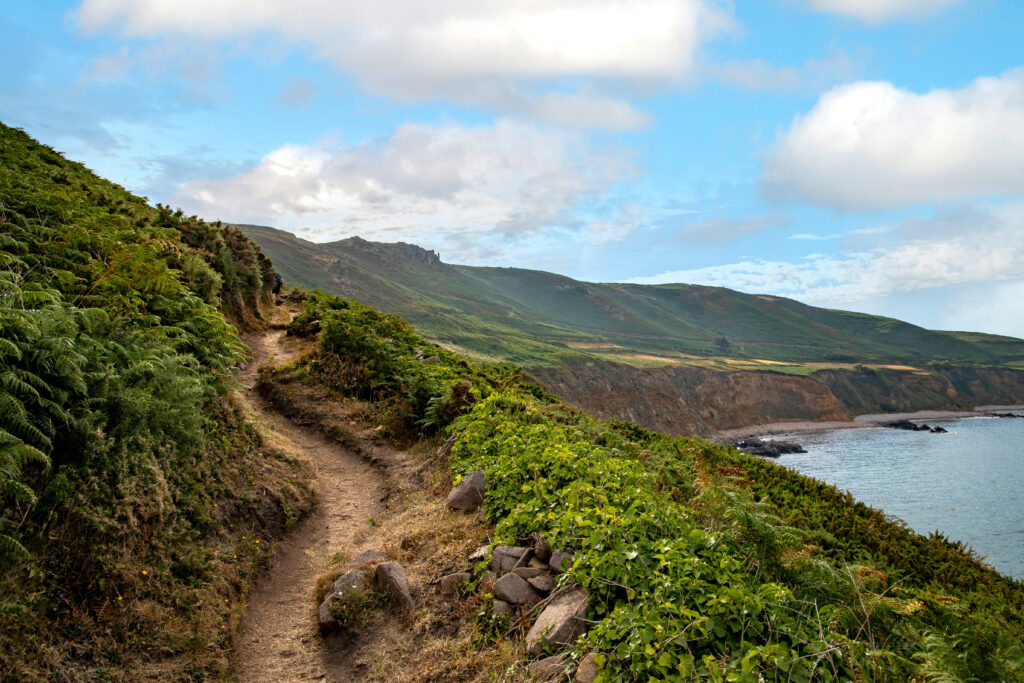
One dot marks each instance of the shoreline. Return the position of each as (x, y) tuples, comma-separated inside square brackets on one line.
[(859, 422)]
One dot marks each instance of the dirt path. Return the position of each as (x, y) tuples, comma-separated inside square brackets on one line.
[(279, 640)]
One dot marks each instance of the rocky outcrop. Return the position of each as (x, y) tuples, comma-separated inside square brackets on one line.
[(559, 624), (347, 587), (766, 449), (468, 496), (391, 579), (687, 400)]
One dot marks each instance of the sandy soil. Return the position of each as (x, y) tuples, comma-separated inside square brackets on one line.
[(859, 422), (279, 640)]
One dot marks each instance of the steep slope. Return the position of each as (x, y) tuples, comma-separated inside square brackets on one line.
[(684, 359), (133, 496), (693, 561), (532, 316)]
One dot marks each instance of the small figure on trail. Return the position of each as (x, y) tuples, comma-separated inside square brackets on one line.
[(277, 285)]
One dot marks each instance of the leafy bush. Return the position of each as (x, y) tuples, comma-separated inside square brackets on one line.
[(117, 436)]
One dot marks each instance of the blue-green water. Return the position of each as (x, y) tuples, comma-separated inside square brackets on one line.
[(968, 484)]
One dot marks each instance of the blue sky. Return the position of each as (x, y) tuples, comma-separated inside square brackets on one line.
[(857, 154)]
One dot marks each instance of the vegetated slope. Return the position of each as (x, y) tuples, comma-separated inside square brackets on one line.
[(531, 316), (130, 488), (701, 563)]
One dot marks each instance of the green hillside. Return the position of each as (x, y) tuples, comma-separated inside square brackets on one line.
[(533, 317), (701, 563), (119, 436)]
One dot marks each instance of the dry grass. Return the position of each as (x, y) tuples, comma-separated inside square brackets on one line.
[(441, 641)]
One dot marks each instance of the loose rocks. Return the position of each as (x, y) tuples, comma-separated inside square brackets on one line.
[(344, 588), (515, 589), (468, 496), (560, 622), (391, 579), (587, 671), (451, 585), (505, 558), (549, 668)]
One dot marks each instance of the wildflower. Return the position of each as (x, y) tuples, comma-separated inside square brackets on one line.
[(144, 572)]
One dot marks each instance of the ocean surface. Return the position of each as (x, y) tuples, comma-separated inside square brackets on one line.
[(967, 484)]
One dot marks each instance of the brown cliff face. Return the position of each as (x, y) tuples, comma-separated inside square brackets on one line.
[(686, 400)]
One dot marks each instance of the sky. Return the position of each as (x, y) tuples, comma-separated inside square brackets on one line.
[(858, 154)]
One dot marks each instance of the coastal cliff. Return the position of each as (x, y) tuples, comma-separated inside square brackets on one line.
[(689, 400)]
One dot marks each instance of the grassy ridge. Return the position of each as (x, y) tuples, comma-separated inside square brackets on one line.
[(129, 484), (702, 563), (533, 318)]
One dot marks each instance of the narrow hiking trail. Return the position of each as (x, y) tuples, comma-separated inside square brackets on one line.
[(279, 640)]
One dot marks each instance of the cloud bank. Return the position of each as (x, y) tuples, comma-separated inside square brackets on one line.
[(979, 245), (439, 180), (870, 145), (485, 52), (879, 11)]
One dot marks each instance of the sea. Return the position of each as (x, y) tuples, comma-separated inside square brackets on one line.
[(968, 483)]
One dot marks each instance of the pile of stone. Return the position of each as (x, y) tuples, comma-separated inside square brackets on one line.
[(522, 580), (366, 572)]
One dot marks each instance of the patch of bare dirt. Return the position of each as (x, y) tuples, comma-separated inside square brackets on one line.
[(279, 639)]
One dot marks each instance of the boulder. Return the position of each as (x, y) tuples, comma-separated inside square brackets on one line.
[(538, 563), (345, 586), (515, 589), (500, 608), (391, 579), (559, 624), (560, 562), (543, 583), (542, 550), (505, 558), (451, 585), (587, 670), (369, 557), (551, 668), (528, 572), (468, 496)]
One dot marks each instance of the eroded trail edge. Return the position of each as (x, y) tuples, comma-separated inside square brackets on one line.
[(279, 640)]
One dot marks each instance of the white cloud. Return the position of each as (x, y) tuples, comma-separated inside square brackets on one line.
[(723, 230), (995, 253), (451, 48), (814, 75), (870, 145), (879, 11), (422, 183)]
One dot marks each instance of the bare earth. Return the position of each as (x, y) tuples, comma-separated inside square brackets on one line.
[(279, 640), (859, 422)]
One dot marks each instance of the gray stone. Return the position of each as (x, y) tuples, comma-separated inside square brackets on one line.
[(391, 578), (468, 496), (488, 578), (369, 557), (587, 670), (514, 589), (542, 550), (452, 584), (553, 668), (500, 608), (538, 563), (505, 558), (560, 562), (543, 583), (478, 554), (431, 360), (347, 584), (528, 572), (559, 624)]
